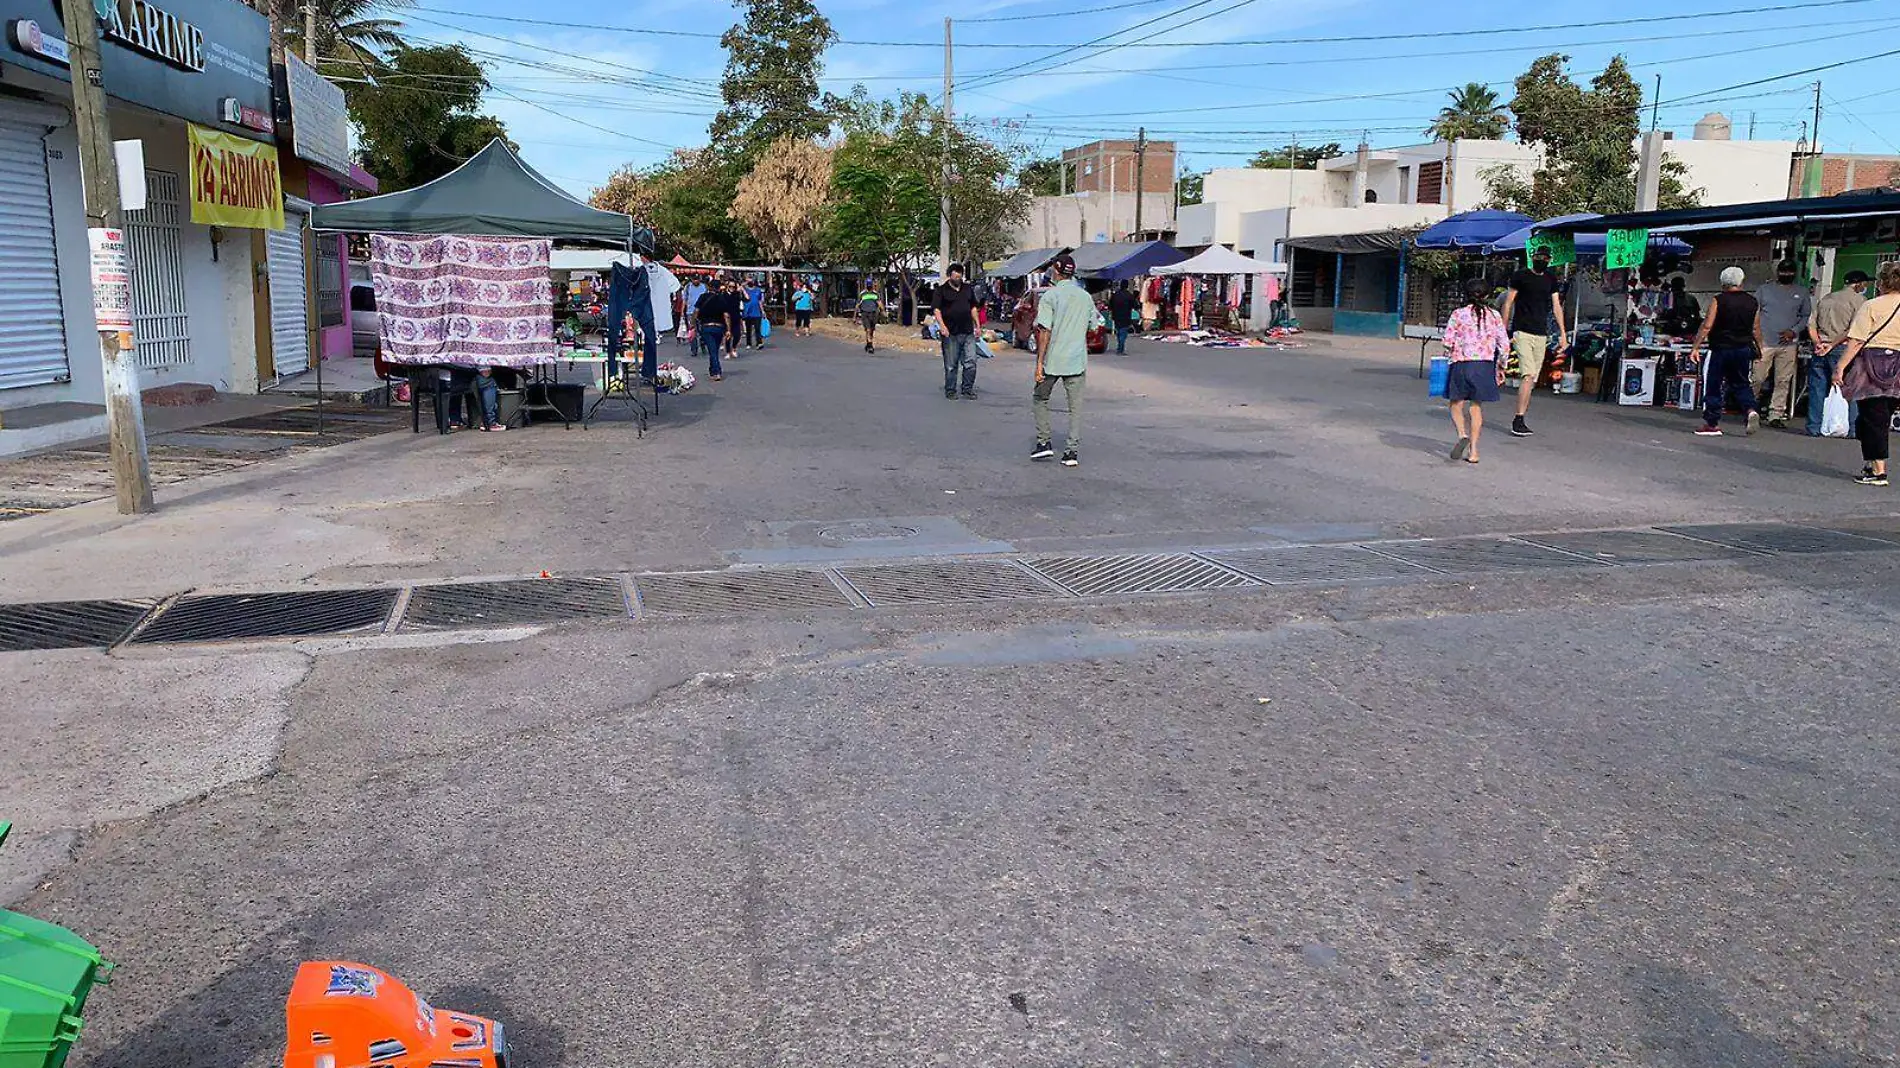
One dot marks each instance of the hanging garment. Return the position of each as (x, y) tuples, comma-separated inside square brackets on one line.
[(628, 294), (463, 301), (661, 285)]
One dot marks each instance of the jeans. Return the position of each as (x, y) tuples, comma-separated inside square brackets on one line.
[(1072, 386), (959, 352), (485, 391), (1121, 339), (1728, 369), (752, 335), (1874, 427), (1820, 381), (714, 338)]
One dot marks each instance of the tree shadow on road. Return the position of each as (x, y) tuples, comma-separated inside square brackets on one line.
[(1685, 1025)]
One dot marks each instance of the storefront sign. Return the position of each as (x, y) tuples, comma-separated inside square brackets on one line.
[(1625, 248), (319, 122), (1562, 248), (111, 281), (248, 117), (234, 181), (178, 57)]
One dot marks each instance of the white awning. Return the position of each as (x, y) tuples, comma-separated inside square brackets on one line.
[(1219, 259)]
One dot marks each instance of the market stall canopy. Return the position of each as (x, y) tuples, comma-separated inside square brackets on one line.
[(1589, 246), (1219, 259), (1355, 244), (494, 194), (1024, 264), (1112, 261), (1470, 229), (1758, 214)]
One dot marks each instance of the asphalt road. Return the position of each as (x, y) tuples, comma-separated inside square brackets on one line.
[(1637, 816)]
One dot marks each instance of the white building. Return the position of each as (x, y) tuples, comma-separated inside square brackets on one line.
[(1079, 218)]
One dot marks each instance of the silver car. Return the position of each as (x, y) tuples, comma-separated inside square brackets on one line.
[(366, 325)]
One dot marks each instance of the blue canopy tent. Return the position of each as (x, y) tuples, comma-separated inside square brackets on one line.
[(1471, 229), (1114, 261), (1589, 246)]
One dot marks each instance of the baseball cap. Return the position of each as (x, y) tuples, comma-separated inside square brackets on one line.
[(1063, 265), (1856, 276)]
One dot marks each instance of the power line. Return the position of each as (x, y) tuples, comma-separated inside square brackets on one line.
[(1004, 74), (1065, 14)]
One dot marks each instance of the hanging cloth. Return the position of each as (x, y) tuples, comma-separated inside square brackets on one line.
[(628, 294)]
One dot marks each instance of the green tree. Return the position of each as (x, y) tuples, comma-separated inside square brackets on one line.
[(1588, 138), (687, 202), (1473, 113), (1042, 177), (1293, 157), (770, 86), (421, 119), (884, 212), (1190, 189)]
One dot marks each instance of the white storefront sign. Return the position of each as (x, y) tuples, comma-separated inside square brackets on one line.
[(319, 122)]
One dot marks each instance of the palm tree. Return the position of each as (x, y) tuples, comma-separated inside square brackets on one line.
[(351, 31), (1473, 113)]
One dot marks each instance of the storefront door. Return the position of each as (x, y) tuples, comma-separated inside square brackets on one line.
[(161, 331), (32, 335), (289, 300)]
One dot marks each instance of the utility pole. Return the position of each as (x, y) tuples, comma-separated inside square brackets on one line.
[(125, 418), (943, 224), (1814, 132), (1655, 105), (1141, 161), (310, 33)]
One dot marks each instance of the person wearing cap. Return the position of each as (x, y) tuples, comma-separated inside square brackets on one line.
[(1833, 314), (953, 309), (1064, 314), (1531, 304), (1785, 310), (1733, 333)]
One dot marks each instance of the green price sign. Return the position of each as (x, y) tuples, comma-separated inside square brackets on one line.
[(1625, 248), (1562, 248)]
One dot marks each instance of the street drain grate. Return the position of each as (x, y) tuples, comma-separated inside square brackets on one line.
[(948, 582), (1884, 528), (494, 604), (1780, 538), (1317, 563), (1634, 546), (732, 592), (1090, 576), (67, 624), (302, 614), (1462, 555)]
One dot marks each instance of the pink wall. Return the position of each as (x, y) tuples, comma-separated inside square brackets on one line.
[(333, 341)]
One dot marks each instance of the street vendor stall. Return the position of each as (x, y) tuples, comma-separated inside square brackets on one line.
[(1217, 261), (461, 271)]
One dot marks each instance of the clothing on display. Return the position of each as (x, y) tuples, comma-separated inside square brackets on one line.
[(629, 294)]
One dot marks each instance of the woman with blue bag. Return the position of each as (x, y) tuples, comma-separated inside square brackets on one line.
[(1475, 344)]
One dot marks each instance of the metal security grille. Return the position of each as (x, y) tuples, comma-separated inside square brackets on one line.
[(160, 328), (32, 333), (945, 583), (1317, 563), (289, 298), (1089, 576), (227, 617), (1779, 538), (494, 604), (721, 593), (67, 624)]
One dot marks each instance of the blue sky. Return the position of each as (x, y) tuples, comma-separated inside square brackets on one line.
[(583, 101)]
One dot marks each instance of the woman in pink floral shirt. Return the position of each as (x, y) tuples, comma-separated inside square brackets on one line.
[(1476, 342)]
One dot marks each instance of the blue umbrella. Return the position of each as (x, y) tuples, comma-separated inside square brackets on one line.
[(1471, 229), (1589, 246)]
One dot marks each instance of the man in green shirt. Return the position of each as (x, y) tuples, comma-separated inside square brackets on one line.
[(1064, 314)]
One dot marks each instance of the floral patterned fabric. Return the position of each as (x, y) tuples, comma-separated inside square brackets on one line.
[(463, 301), (1468, 339)]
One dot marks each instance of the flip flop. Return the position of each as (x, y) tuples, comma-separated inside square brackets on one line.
[(1460, 450), (1471, 459)]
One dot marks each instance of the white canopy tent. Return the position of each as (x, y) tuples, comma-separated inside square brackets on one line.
[(1219, 259)]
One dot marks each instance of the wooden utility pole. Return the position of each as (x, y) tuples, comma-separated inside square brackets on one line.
[(943, 224), (1141, 161), (125, 418)]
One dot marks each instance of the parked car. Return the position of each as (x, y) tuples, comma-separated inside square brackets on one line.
[(366, 324)]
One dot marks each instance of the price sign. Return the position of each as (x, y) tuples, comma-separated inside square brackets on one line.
[(111, 280), (1625, 248), (1562, 248)]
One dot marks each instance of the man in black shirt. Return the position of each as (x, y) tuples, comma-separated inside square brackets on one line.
[(1122, 305), (716, 318), (1532, 303), (953, 306)]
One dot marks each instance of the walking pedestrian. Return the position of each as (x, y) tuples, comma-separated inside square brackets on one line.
[(729, 291), (1833, 314), (1122, 309), (953, 308), (1064, 314), (1732, 331), (1533, 301), (1869, 372), (1476, 343), (801, 311), (695, 289), (753, 312), (1785, 311), (870, 308), (713, 315)]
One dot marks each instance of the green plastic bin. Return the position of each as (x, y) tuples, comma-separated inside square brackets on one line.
[(45, 974)]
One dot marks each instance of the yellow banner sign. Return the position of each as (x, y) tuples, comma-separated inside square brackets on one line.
[(234, 181)]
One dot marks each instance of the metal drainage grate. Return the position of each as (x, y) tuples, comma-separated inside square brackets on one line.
[(492, 604), (1884, 528), (67, 624), (1779, 538), (1317, 563), (1634, 546), (1089, 576), (945, 583), (723, 592), (307, 613), (1461, 555)]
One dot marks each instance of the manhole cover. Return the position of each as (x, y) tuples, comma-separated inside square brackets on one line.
[(866, 531), (67, 624)]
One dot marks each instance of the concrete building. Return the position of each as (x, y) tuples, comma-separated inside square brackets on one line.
[(1834, 173), (1080, 218), (1104, 166)]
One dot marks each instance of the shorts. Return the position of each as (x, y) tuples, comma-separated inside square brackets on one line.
[(868, 319), (1472, 380), (1530, 350), (801, 319)]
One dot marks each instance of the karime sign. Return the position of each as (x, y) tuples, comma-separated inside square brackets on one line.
[(234, 181)]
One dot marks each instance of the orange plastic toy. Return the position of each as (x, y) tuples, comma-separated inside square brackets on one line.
[(345, 1015)]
